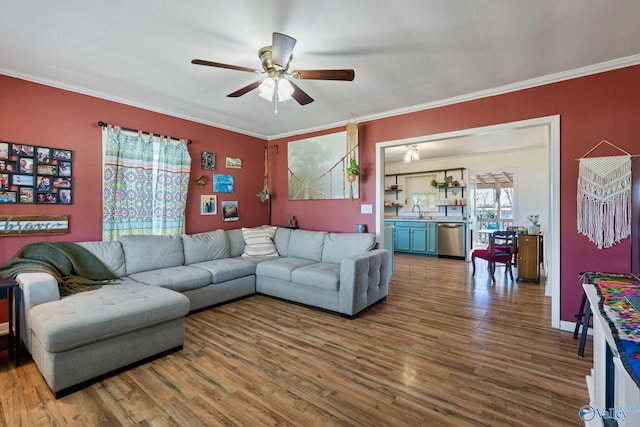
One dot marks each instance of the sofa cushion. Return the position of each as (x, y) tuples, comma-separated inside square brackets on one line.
[(110, 254), (236, 242), (222, 270), (205, 246), (181, 278), (144, 253), (259, 241), (281, 240), (338, 246), (281, 268), (321, 275), (306, 244), (103, 313)]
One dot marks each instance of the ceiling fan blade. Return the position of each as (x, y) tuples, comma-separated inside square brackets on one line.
[(220, 65), (347, 75), (244, 90), (281, 49), (299, 95)]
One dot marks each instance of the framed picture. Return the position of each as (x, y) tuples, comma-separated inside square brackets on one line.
[(64, 168), (233, 163), (34, 174), (22, 150), (26, 194), (208, 161), (47, 170), (43, 183), (209, 204), (8, 166), (64, 196), (4, 150), (223, 183), (46, 198), (229, 210), (59, 154), (25, 165), (4, 181), (7, 196), (43, 154), (26, 180)]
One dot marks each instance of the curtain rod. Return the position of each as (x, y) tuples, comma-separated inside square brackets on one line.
[(105, 124)]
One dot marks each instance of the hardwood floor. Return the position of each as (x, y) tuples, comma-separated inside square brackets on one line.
[(443, 349)]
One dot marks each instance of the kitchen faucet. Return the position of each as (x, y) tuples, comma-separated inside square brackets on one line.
[(419, 211)]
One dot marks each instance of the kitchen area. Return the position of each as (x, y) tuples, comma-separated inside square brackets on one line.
[(426, 212)]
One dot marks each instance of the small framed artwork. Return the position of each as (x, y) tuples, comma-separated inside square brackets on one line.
[(47, 170), (59, 154), (43, 183), (26, 180), (43, 154), (26, 194), (234, 163), (64, 197), (223, 183), (229, 210), (209, 204), (22, 150), (4, 181), (61, 182), (25, 165), (4, 150), (208, 161), (7, 196), (46, 198), (64, 168), (8, 166)]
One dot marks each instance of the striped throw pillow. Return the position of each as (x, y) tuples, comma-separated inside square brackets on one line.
[(259, 241)]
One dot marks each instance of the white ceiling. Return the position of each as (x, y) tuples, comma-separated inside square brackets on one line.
[(407, 55), (514, 139)]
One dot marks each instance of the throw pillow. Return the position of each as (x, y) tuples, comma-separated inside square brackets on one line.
[(259, 241)]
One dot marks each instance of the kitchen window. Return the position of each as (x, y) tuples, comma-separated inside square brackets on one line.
[(420, 192)]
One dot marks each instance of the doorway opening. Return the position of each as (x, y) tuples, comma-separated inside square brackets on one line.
[(549, 188), (493, 197)]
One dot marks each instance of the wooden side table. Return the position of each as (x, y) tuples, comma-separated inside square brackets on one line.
[(9, 289)]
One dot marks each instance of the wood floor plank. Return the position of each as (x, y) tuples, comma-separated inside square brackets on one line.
[(444, 349)]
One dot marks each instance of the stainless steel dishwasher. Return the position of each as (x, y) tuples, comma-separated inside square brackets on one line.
[(451, 239)]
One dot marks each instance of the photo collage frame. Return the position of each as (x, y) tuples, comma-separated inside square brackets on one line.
[(35, 174)]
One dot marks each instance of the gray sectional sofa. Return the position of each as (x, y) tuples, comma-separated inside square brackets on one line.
[(77, 338)]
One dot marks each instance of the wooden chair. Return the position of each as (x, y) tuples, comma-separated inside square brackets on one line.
[(502, 249)]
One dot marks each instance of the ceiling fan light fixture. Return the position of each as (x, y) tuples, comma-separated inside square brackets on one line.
[(269, 86), (411, 154)]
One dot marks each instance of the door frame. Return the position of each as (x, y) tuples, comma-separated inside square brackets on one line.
[(553, 156)]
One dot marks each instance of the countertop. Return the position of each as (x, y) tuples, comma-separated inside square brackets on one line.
[(436, 220)]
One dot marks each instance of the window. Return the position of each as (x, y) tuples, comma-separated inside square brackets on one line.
[(420, 192)]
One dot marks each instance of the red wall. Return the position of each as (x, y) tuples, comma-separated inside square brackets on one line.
[(35, 114), (592, 108)]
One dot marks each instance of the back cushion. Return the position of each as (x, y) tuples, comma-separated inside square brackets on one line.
[(236, 242), (338, 246), (281, 240), (144, 253), (306, 244), (205, 246), (109, 253)]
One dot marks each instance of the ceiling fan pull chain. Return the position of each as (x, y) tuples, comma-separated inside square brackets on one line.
[(275, 95)]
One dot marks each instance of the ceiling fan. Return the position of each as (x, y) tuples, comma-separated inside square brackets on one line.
[(278, 85)]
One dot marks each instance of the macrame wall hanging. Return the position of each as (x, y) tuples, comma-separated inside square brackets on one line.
[(604, 197), (353, 169)]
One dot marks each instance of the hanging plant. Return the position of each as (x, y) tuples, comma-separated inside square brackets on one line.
[(353, 170)]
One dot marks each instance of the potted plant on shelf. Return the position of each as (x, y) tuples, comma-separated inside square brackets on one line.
[(535, 227)]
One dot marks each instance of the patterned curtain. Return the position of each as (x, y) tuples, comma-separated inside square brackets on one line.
[(171, 185), (144, 185)]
